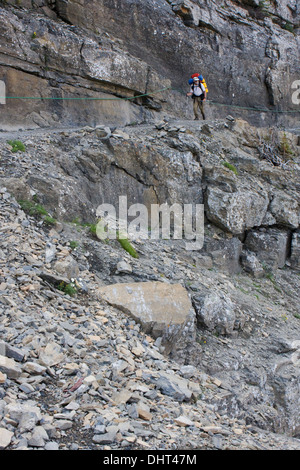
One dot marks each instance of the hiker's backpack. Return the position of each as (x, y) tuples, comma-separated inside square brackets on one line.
[(202, 81)]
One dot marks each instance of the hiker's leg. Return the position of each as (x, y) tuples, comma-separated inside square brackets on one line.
[(195, 107), (201, 106)]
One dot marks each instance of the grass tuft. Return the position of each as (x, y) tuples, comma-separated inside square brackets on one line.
[(230, 167)]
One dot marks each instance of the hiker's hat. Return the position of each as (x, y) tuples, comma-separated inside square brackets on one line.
[(196, 79)]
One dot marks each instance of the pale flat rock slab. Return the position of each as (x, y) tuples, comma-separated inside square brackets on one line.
[(121, 397), (51, 355), (10, 367), (183, 421), (5, 438), (3, 378), (163, 310)]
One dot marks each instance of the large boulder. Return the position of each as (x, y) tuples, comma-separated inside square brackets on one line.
[(252, 265), (163, 310), (217, 313), (271, 246), (285, 210), (224, 254), (238, 211)]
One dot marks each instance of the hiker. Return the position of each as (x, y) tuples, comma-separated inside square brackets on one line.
[(198, 93)]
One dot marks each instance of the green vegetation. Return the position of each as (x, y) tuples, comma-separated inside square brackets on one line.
[(271, 278), (68, 289), (285, 147), (75, 221), (73, 244), (230, 167), (125, 243), (201, 340), (289, 27), (32, 208), (48, 220), (92, 227), (243, 290), (264, 6), (276, 149), (17, 146), (35, 209)]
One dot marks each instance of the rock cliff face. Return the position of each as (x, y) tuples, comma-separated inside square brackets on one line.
[(247, 50)]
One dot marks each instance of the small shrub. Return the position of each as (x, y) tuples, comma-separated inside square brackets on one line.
[(275, 150), (17, 146), (68, 289), (285, 147)]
